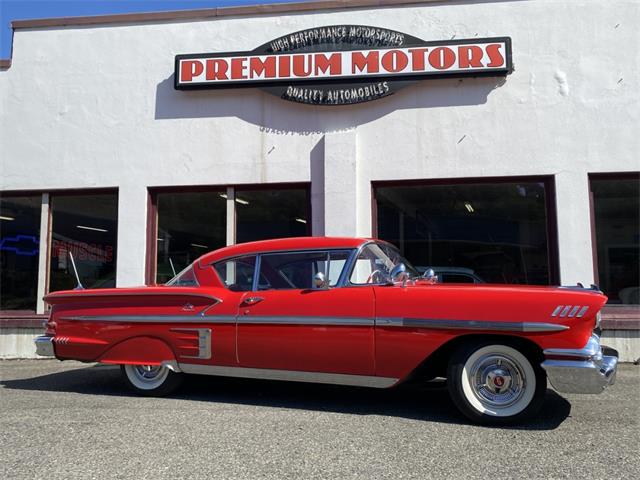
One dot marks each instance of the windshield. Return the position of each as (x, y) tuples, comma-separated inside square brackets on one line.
[(186, 278), (374, 264)]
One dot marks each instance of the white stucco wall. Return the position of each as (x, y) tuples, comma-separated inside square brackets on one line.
[(95, 107)]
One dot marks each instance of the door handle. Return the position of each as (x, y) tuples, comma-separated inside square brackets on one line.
[(252, 300)]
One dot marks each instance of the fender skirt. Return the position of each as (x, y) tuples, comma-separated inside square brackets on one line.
[(139, 351)]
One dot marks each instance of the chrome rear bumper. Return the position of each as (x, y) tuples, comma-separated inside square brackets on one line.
[(44, 346), (587, 370)]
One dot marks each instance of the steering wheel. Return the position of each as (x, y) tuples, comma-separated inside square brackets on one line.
[(372, 275)]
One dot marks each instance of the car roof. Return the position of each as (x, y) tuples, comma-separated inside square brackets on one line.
[(279, 244)]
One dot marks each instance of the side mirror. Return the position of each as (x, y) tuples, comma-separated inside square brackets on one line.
[(430, 275), (399, 273), (319, 281)]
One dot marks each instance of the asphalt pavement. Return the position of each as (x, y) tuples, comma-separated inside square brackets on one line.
[(63, 420)]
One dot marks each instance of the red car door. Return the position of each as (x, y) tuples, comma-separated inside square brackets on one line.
[(305, 329)]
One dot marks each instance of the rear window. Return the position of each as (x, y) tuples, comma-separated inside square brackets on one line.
[(186, 278)]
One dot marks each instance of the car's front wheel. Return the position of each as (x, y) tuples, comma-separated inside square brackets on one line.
[(151, 380), (494, 383)]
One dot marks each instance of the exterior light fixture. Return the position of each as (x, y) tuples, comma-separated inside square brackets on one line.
[(3, 217), (469, 207), (301, 220), (92, 228)]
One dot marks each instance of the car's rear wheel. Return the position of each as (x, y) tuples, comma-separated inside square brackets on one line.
[(495, 383), (151, 380)]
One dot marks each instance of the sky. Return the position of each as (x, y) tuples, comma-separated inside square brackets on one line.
[(21, 9)]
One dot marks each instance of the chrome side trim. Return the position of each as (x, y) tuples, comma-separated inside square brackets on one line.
[(290, 375), (44, 346), (291, 320), (204, 342), (154, 319), (439, 324), (115, 293)]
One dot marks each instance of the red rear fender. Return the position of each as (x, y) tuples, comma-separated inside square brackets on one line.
[(139, 351)]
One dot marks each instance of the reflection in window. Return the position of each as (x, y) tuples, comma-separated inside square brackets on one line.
[(263, 214), (296, 270), (499, 230), (19, 247), (617, 224), (237, 274), (189, 225), (87, 227)]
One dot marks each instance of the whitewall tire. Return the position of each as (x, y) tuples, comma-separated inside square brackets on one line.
[(495, 383), (151, 380)]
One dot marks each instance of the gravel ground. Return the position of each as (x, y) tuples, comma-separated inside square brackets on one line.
[(72, 420)]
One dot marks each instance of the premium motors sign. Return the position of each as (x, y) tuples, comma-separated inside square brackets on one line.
[(343, 64)]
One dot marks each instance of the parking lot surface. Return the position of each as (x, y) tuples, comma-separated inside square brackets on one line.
[(74, 420)]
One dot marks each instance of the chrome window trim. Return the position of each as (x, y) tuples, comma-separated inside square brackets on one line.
[(315, 250), (290, 375), (256, 273), (258, 255), (353, 264)]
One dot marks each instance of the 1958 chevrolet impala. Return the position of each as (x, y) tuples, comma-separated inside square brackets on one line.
[(342, 311)]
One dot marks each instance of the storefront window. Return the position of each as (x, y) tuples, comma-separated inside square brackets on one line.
[(616, 204), (498, 231), (263, 214), (190, 224), (19, 248), (85, 226)]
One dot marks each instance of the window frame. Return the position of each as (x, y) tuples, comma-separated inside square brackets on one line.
[(151, 266), (342, 280), (151, 254), (28, 318), (609, 311), (553, 257), (29, 314)]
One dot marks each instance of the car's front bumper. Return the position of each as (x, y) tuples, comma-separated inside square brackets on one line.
[(587, 370), (44, 346)]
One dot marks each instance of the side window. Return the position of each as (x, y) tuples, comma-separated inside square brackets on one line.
[(237, 274), (296, 270), (186, 278), (370, 266)]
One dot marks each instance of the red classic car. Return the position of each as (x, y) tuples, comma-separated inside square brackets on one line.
[(342, 311)]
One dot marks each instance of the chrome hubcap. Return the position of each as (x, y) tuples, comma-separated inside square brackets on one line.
[(497, 380), (147, 372)]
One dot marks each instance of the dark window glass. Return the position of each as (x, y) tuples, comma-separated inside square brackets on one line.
[(19, 247), (87, 227), (237, 274), (617, 222), (189, 225), (499, 230), (297, 270), (263, 214), (456, 278)]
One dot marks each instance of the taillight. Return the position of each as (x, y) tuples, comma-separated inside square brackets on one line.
[(50, 327)]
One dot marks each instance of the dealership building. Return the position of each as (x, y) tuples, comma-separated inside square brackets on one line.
[(496, 141)]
